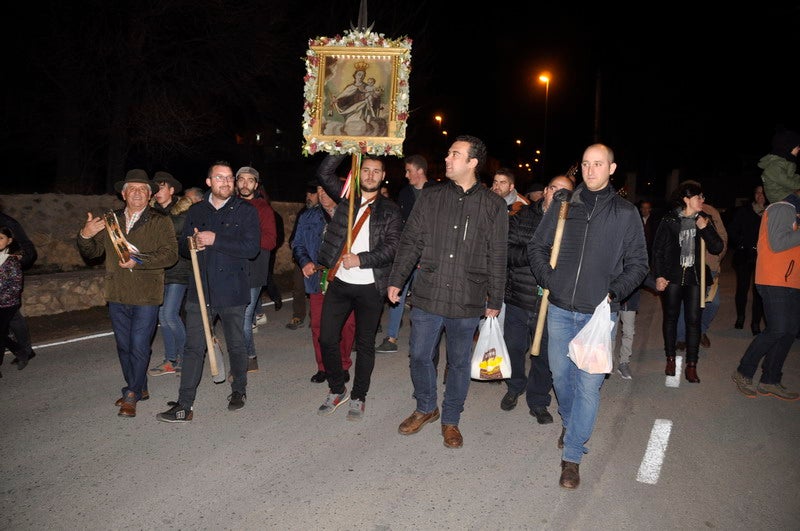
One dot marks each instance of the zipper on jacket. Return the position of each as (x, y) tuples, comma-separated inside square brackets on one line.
[(466, 226)]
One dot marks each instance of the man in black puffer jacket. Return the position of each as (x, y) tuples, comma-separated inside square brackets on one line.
[(603, 254), (523, 298), (357, 277)]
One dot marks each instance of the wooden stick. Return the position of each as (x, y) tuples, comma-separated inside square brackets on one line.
[(355, 168), (212, 354), (702, 273), (537, 336)]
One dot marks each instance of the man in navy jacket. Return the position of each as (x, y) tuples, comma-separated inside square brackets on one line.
[(227, 232)]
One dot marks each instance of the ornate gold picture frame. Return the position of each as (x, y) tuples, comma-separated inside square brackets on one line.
[(356, 94)]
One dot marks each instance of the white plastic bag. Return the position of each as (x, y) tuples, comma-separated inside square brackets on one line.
[(490, 358), (591, 349)]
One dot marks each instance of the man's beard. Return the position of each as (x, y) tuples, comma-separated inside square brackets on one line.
[(366, 188), (246, 193)]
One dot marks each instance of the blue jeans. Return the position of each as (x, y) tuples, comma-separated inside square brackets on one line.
[(518, 331), (194, 355), (707, 315), (781, 310), (172, 328), (134, 327), (577, 392), (249, 319), (426, 329), (396, 311)]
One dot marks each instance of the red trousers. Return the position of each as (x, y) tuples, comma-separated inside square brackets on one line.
[(348, 333)]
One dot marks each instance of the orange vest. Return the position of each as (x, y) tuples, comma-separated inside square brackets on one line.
[(780, 269)]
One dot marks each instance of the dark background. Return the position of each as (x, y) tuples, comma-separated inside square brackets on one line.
[(94, 88)]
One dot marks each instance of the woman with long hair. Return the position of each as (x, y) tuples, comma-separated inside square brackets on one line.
[(676, 266)]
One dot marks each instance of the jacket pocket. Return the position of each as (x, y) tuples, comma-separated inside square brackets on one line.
[(475, 289)]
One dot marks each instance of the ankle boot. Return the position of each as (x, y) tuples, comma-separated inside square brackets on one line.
[(691, 372), (670, 369)]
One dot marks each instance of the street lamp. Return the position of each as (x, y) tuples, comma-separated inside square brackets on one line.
[(544, 77), (438, 119)]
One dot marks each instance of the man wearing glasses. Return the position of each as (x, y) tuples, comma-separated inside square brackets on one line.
[(226, 230)]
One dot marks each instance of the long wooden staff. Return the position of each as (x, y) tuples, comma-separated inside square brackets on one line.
[(212, 353), (355, 185), (537, 336), (702, 273)]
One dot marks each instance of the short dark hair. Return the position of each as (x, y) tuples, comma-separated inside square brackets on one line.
[(219, 163), (418, 161), (477, 150), (508, 173), (373, 157), (686, 189)]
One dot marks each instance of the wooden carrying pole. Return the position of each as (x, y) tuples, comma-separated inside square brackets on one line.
[(201, 298), (537, 336), (702, 273)]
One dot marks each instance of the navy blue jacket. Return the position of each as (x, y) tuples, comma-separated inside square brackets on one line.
[(223, 266), (603, 252)]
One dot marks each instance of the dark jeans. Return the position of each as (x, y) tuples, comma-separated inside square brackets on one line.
[(672, 299), (21, 344), (518, 331), (744, 264), (134, 327), (341, 299), (232, 318), (782, 308)]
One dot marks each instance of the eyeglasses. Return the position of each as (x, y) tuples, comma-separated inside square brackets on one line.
[(223, 178)]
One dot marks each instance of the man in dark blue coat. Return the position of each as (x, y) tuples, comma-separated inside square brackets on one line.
[(226, 230)]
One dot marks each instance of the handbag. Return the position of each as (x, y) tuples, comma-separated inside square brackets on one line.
[(490, 359), (591, 349)]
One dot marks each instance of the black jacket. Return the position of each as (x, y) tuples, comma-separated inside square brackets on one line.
[(521, 286), (459, 240), (385, 226), (603, 252), (667, 251)]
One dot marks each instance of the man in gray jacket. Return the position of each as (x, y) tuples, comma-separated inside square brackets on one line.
[(457, 233), (602, 254)]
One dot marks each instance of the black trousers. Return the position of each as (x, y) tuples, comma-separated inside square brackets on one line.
[(340, 299), (671, 300)]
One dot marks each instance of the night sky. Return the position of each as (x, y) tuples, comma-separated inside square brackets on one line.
[(681, 90)]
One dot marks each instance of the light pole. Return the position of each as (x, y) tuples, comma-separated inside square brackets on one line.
[(544, 77), (438, 119)]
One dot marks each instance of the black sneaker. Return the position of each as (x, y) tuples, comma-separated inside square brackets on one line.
[(236, 400), (509, 401), (176, 413)]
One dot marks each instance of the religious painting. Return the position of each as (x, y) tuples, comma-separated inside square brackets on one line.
[(356, 95)]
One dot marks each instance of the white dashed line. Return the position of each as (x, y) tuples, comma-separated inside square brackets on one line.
[(675, 381), (650, 468)]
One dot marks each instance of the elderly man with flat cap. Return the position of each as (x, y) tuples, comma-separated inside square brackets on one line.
[(143, 246), (176, 278)]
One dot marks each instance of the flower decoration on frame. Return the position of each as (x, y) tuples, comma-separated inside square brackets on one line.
[(356, 94)]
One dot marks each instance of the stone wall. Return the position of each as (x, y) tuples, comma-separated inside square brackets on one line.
[(61, 280)]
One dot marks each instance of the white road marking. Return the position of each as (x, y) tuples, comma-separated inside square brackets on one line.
[(83, 338), (675, 381), (650, 468)]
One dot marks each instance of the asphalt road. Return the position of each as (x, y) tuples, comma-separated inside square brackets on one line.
[(663, 456)]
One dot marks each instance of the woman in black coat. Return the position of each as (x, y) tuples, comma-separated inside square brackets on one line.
[(676, 266)]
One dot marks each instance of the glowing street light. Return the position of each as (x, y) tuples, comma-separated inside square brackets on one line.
[(544, 77), (438, 119)]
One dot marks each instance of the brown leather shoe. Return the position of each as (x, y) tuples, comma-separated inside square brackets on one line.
[(670, 368), (691, 372), (570, 477), (452, 436), (128, 407), (416, 421), (145, 396), (561, 438)]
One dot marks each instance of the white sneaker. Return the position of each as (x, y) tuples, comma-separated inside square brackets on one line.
[(261, 319)]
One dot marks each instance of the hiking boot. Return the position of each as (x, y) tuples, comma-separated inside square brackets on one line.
[(333, 401), (777, 390), (236, 400), (624, 370), (252, 364), (176, 413), (387, 346), (509, 401), (356, 411), (165, 367), (744, 384), (294, 324), (570, 477)]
